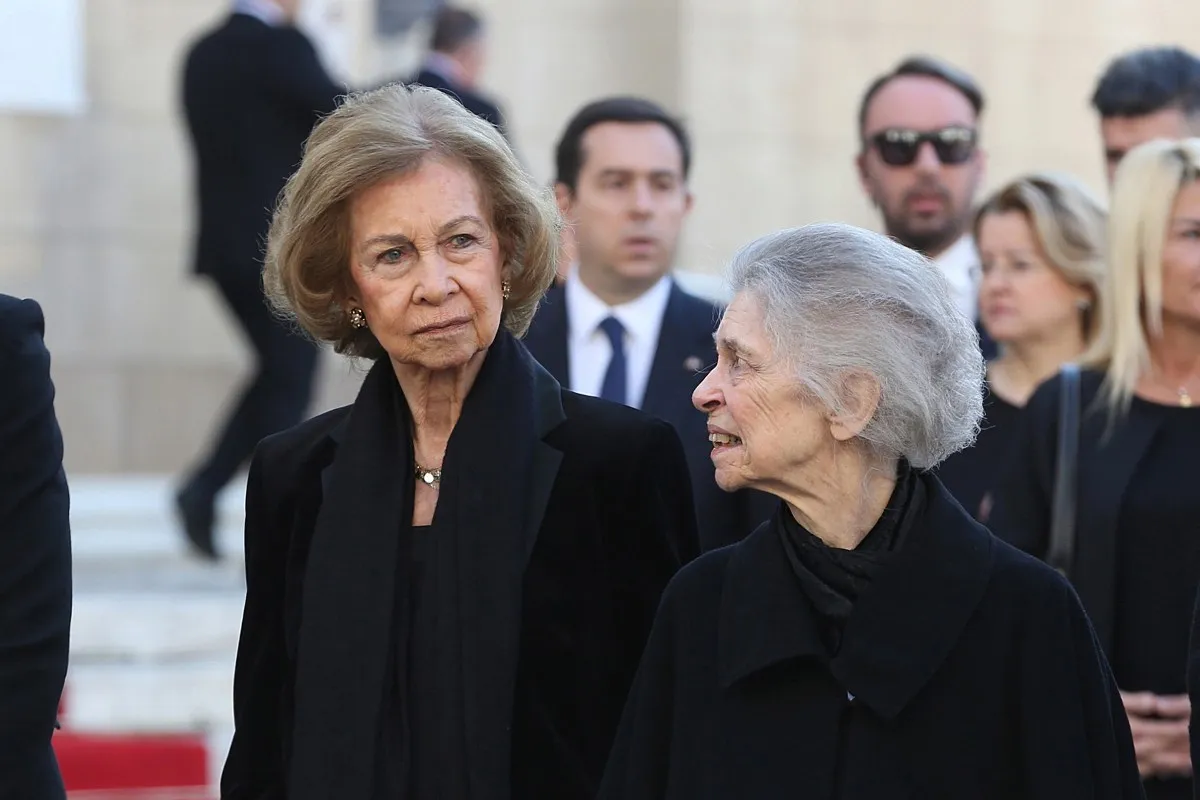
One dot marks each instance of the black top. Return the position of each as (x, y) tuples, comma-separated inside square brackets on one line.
[(1158, 561), (438, 736), (971, 474), (1158, 558)]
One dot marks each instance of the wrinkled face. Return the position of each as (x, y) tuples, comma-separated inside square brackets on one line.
[(1122, 134), (425, 265), (630, 199), (926, 204), (1181, 260), (1022, 298), (761, 429)]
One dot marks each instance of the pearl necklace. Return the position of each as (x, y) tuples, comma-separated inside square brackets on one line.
[(429, 477), (1185, 399)]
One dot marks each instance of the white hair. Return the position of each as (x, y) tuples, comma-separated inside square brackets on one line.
[(838, 301)]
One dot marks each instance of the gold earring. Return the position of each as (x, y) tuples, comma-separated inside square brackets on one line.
[(357, 318), (505, 289)]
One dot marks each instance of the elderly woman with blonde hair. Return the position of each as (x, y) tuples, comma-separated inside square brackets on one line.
[(450, 582), (871, 640), (1104, 475)]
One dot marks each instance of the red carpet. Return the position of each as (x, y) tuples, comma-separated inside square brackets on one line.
[(133, 767)]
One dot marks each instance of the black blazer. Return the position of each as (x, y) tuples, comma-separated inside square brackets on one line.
[(1108, 460), (684, 354), (251, 95), (967, 670), (35, 558), (471, 100), (615, 524)]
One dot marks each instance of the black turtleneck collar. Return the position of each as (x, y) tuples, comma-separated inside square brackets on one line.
[(832, 578)]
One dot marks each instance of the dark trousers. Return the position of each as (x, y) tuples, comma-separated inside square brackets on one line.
[(278, 393)]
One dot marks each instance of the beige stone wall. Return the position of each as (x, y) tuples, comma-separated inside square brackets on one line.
[(94, 210)]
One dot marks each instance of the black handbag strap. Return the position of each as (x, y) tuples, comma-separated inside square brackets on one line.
[(1061, 551)]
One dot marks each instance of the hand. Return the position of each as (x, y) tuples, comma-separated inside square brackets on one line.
[(1159, 724)]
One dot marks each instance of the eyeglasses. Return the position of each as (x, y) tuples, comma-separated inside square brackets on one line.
[(899, 147)]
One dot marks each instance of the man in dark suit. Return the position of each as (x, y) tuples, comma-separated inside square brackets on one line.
[(35, 558), (455, 62), (619, 327), (252, 90)]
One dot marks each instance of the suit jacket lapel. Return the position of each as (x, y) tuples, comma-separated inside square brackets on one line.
[(548, 337), (678, 358)]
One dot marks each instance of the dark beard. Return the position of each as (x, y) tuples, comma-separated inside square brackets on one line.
[(925, 242)]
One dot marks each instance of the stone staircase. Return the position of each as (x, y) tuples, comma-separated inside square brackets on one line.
[(154, 632)]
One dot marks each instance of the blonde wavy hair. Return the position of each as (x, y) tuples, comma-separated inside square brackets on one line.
[(376, 135), (1147, 181), (1068, 222)]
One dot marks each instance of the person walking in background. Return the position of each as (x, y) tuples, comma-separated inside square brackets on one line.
[(1133, 518), (35, 558), (1041, 248), (619, 327), (920, 164), (252, 90), (1152, 93), (872, 641), (454, 65)]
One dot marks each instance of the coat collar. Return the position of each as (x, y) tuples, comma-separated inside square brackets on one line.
[(351, 573), (902, 628)]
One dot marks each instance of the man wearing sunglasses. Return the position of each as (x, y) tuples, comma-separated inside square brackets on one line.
[(920, 164)]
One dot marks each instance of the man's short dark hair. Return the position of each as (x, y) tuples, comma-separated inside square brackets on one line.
[(928, 67), (454, 27), (1144, 81), (568, 156)]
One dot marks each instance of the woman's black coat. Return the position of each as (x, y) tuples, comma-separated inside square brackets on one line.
[(967, 670), (609, 522)]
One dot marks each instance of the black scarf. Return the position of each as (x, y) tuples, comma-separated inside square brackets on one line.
[(832, 578), (351, 644)]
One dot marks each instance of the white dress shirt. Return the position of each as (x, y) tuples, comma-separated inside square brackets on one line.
[(263, 10), (588, 348), (960, 264)]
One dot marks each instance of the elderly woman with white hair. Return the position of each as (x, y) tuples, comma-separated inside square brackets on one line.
[(871, 640)]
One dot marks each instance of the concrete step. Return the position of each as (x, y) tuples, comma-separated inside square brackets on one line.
[(154, 627), (133, 517), (193, 696)]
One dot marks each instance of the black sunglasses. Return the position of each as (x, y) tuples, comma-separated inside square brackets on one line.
[(898, 147)]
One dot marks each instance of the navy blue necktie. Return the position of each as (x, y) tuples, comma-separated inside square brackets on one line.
[(613, 387)]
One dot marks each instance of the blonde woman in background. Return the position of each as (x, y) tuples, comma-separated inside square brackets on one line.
[(1041, 249), (1137, 519)]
